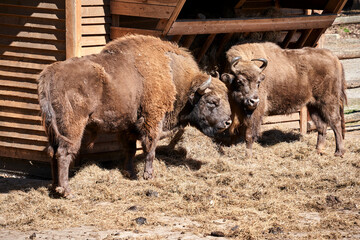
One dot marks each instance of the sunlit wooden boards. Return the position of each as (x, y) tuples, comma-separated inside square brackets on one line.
[(32, 35), (95, 25), (290, 121)]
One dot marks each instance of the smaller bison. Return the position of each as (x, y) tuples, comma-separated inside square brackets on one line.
[(139, 86), (285, 81)]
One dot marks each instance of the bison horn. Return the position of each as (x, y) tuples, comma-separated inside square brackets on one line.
[(235, 60), (204, 86), (264, 61), (217, 74)]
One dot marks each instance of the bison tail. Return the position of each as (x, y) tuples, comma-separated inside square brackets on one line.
[(343, 99), (48, 115)]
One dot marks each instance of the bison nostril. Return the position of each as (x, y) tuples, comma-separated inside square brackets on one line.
[(228, 123), (253, 101)]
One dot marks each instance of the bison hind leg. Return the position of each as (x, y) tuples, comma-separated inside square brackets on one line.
[(321, 127)]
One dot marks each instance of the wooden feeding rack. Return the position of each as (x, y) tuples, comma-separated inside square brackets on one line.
[(35, 33)]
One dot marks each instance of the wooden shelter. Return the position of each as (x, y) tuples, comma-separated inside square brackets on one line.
[(35, 33)]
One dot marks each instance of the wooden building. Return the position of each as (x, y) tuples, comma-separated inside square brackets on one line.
[(35, 33)]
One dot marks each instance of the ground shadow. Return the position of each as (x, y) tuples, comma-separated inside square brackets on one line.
[(267, 138), (8, 184), (275, 136), (167, 154), (177, 157)]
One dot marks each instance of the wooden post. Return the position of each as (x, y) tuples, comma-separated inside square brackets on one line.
[(73, 28), (303, 120)]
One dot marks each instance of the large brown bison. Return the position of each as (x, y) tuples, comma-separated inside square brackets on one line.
[(285, 81), (138, 86)]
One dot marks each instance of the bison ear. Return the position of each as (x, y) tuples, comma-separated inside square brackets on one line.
[(194, 98), (227, 78), (262, 77)]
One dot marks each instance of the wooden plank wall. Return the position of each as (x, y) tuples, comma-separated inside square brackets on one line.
[(95, 21), (32, 35)]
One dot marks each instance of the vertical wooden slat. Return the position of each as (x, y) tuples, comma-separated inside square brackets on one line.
[(288, 38), (73, 28), (176, 38), (188, 41), (115, 20), (303, 120), (206, 46), (223, 43), (304, 36), (173, 16), (240, 3)]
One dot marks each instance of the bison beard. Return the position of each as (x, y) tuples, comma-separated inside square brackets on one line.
[(286, 80), (138, 86)]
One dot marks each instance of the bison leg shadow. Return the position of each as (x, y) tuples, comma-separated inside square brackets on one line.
[(177, 157), (275, 136)]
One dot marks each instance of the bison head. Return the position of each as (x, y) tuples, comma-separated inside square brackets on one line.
[(244, 81), (210, 108)]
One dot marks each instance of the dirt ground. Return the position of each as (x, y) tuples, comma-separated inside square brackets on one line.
[(201, 191)]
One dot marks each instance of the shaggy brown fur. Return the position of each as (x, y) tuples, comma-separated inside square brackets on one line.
[(138, 86), (293, 78)]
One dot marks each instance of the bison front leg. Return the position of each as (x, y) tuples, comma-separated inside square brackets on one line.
[(149, 146), (249, 139), (252, 131)]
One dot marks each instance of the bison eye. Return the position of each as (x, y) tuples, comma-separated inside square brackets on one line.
[(239, 82), (212, 104)]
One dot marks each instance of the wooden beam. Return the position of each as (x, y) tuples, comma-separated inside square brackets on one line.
[(223, 43), (240, 4), (140, 10), (173, 16), (206, 46), (188, 41), (73, 28), (150, 2), (116, 32), (176, 38), (334, 6), (288, 38), (304, 36), (212, 26), (281, 118)]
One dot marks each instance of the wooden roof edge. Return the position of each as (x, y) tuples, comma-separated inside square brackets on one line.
[(215, 26)]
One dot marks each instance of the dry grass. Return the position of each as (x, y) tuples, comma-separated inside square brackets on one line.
[(285, 191)]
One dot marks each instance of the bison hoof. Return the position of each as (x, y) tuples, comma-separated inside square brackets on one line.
[(129, 174), (340, 153), (63, 193), (148, 175), (320, 152), (248, 154)]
